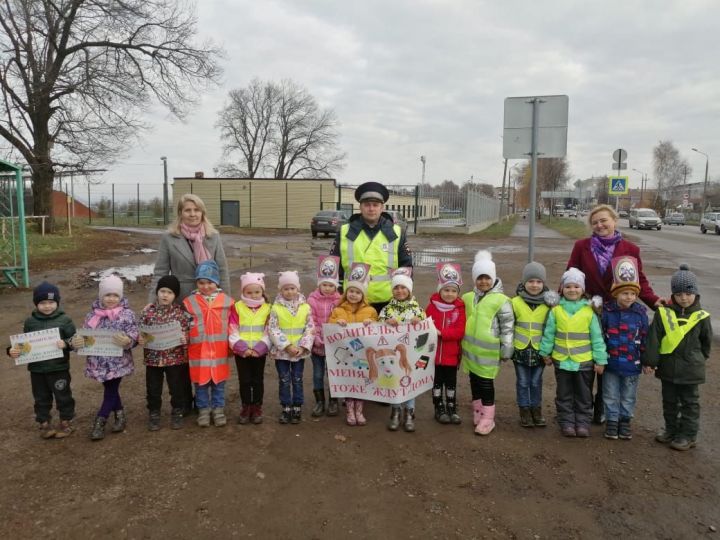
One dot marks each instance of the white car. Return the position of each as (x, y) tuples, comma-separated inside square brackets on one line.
[(710, 222)]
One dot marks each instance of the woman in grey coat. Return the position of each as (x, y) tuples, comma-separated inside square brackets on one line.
[(190, 239)]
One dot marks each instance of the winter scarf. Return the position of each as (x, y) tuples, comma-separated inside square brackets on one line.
[(249, 302), (603, 248), (442, 306), (101, 313), (531, 299), (195, 236)]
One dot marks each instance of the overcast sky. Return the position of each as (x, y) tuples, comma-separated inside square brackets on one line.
[(429, 77)]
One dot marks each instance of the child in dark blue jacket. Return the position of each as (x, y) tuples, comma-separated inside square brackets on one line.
[(625, 327)]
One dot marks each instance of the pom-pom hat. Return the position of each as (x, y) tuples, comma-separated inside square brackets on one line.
[(402, 276), (484, 265), (684, 281)]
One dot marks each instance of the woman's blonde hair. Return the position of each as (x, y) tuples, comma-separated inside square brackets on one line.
[(602, 207), (197, 201)]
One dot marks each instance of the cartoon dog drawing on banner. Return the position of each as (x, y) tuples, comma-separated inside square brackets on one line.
[(388, 366)]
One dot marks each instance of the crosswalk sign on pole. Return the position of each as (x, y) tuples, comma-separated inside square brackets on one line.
[(618, 185)]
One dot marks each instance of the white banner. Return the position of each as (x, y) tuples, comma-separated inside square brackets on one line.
[(37, 346), (99, 343), (380, 362), (161, 337)]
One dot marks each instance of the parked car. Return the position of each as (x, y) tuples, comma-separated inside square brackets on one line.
[(623, 213), (710, 222), (398, 219), (676, 218), (328, 221), (644, 218)]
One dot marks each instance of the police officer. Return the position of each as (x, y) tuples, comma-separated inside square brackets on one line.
[(372, 238)]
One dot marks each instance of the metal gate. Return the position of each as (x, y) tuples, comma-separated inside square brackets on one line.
[(13, 239), (230, 213)]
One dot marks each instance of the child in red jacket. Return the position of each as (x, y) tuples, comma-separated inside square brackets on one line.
[(447, 311)]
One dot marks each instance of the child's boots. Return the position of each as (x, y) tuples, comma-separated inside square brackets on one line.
[(477, 411), (98, 430), (176, 419), (218, 417), (350, 417), (285, 415), (319, 408), (64, 429), (256, 414), (46, 430), (203, 419), (526, 419), (296, 416), (332, 408), (409, 422), (245, 414), (487, 421), (537, 417), (452, 413), (441, 414), (154, 421), (359, 416), (394, 422), (611, 429), (624, 429), (120, 421)]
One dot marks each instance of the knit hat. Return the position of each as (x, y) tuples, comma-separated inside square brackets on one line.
[(208, 270), (46, 291), (359, 276), (251, 278), (534, 270), (328, 269), (402, 276), (448, 274), (169, 282), (288, 278), (684, 281), (625, 275), (111, 284), (574, 276), (484, 265)]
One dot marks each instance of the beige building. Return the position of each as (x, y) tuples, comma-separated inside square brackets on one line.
[(285, 204)]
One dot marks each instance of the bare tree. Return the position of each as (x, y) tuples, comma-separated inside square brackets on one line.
[(246, 125), (670, 168), (75, 76), (553, 174)]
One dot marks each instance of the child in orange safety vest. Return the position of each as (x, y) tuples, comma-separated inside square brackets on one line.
[(208, 348)]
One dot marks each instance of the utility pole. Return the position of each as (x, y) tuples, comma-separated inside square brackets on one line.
[(422, 179), (502, 190), (165, 191)]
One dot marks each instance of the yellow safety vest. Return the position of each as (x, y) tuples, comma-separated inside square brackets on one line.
[(529, 323), (572, 335), (480, 348), (379, 253), (293, 326), (251, 323), (674, 332)]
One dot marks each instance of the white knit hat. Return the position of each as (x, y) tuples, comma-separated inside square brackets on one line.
[(402, 276), (109, 285), (574, 276), (484, 265)]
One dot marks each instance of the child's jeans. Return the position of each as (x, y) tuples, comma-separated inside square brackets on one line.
[(528, 385), (409, 404), (290, 381), (619, 395), (318, 363), (210, 395)]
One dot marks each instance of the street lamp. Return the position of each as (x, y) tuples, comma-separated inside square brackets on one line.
[(643, 182), (165, 191), (707, 165), (422, 181)]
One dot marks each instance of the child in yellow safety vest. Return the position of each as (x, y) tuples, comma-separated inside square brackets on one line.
[(531, 306), (292, 332), (249, 342), (488, 338), (573, 341), (208, 348), (678, 346)]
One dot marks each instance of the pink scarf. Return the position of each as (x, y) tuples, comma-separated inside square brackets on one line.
[(442, 306), (253, 304), (196, 235), (99, 314)]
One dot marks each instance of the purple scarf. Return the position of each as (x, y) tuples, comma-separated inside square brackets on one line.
[(603, 248)]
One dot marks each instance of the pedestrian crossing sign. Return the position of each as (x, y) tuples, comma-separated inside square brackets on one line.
[(618, 185)]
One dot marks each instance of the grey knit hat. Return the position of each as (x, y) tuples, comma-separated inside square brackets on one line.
[(534, 270), (684, 281)]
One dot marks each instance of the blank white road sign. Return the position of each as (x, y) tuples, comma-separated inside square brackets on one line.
[(552, 127)]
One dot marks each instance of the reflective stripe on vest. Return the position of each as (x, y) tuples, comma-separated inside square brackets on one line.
[(208, 347), (572, 336), (529, 323), (293, 326), (379, 253), (480, 348), (674, 331), (251, 323)]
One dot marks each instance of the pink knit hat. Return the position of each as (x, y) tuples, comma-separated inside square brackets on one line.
[(110, 284), (288, 278), (251, 278)]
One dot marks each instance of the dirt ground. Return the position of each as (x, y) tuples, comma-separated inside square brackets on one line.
[(323, 479)]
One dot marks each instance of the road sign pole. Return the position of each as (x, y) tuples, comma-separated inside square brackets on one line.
[(533, 178)]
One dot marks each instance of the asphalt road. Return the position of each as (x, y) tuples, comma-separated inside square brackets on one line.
[(673, 245)]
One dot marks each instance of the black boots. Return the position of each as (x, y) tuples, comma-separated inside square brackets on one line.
[(537, 417), (176, 419), (319, 408), (611, 429), (441, 414), (624, 430), (154, 421), (332, 408), (526, 419), (394, 422), (120, 421), (452, 413)]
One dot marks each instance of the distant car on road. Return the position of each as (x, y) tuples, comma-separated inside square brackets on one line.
[(623, 213), (328, 221), (676, 218), (644, 218), (710, 222)]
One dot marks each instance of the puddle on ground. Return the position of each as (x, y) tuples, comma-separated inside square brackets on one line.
[(128, 273)]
